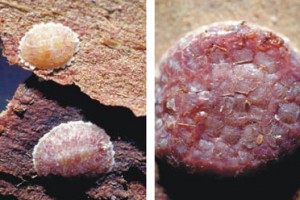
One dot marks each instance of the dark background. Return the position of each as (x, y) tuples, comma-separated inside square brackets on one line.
[(10, 78), (279, 180)]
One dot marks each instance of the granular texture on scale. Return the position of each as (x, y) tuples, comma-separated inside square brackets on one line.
[(35, 110), (227, 99), (74, 148), (48, 46), (111, 64)]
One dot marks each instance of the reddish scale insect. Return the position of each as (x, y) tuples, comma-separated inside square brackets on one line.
[(227, 99), (74, 148)]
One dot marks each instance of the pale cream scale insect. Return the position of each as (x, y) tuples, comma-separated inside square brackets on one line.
[(48, 46)]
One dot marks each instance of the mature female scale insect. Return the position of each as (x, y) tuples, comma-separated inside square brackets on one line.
[(74, 148), (228, 99), (48, 46)]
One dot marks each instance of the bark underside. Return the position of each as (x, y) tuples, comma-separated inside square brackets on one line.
[(36, 108)]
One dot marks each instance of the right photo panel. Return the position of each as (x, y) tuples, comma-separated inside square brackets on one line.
[(227, 99)]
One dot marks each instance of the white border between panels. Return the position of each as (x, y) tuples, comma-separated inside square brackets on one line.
[(150, 7)]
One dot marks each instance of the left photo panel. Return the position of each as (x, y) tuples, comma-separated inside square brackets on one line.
[(73, 99)]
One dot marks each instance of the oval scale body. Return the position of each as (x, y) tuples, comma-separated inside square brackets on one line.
[(74, 148), (48, 46), (228, 99)]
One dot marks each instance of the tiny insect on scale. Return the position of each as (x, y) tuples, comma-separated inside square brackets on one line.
[(48, 46)]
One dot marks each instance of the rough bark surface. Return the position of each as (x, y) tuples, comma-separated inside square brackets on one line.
[(34, 110), (110, 66)]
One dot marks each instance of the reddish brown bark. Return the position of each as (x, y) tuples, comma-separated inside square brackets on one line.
[(110, 66), (35, 109)]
